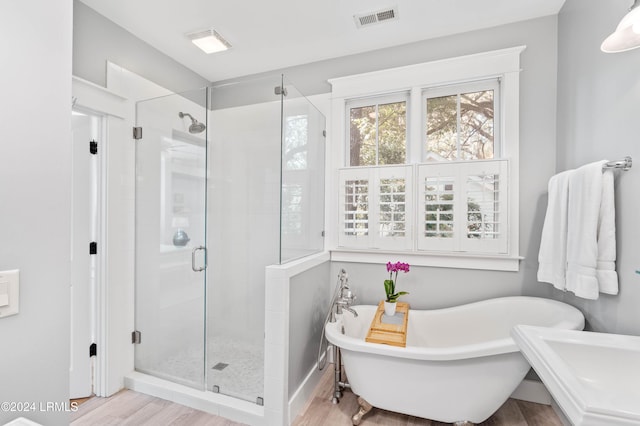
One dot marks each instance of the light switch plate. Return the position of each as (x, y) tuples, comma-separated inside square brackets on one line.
[(10, 287)]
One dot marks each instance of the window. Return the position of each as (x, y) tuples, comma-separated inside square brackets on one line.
[(461, 121), (295, 142), (430, 168), (460, 207), (378, 131), (292, 220), (302, 175), (294, 160)]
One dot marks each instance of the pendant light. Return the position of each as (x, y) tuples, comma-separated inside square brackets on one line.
[(627, 34)]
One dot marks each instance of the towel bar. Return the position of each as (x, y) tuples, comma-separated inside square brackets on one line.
[(624, 164)]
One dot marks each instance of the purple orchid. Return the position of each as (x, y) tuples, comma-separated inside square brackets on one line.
[(390, 284)]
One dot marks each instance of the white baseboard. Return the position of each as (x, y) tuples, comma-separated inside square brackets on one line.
[(532, 391), (302, 395), (214, 403), (560, 414)]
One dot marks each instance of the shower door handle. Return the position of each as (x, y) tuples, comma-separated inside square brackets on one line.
[(193, 259)]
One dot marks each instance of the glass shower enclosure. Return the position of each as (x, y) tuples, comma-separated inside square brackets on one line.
[(229, 180)]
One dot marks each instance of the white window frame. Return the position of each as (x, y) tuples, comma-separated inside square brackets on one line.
[(503, 64)]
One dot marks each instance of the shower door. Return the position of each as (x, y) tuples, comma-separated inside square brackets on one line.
[(170, 232)]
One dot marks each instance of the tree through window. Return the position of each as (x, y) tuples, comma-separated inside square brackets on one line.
[(377, 132), (460, 122)]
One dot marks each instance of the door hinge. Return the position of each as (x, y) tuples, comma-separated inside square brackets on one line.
[(137, 133), (324, 133), (93, 247), (280, 90), (93, 147), (93, 350), (136, 337)]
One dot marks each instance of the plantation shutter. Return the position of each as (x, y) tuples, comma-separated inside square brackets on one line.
[(463, 207), (376, 207), (439, 203), (394, 205), (354, 211)]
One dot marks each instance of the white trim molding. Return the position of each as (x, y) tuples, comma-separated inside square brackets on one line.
[(440, 260), (114, 295), (303, 396), (445, 71), (277, 406), (90, 95), (532, 391)]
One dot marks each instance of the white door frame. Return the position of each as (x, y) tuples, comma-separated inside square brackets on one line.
[(114, 284), (85, 267)]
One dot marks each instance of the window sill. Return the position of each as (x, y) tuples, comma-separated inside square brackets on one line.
[(440, 260)]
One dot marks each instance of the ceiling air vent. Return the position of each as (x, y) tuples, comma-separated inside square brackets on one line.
[(384, 15)]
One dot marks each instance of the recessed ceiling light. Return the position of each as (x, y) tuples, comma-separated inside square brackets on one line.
[(209, 41)]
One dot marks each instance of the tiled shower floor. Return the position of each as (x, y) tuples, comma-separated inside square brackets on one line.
[(242, 377)]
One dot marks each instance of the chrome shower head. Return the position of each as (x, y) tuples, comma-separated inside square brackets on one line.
[(196, 126)]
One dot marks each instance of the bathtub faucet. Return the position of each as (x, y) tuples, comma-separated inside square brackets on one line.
[(342, 299), (345, 301), (345, 296), (346, 308)]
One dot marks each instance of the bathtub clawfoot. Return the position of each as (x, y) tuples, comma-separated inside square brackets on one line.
[(463, 423), (365, 407), (479, 376)]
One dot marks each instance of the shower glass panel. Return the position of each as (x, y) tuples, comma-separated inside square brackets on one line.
[(171, 181), (302, 199), (243, 230)]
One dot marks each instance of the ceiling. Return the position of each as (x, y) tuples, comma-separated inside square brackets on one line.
[(273, 34)]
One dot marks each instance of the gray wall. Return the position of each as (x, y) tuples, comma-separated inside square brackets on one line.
[(97, 40), (429, 288), (35, 177), (598, 101), (309, 303), (312, 78), (435, 287)]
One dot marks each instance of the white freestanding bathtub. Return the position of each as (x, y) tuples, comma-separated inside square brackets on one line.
[(460, 364)]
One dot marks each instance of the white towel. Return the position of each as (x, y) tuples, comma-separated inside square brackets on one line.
[(585, 196), (552, 257), (606, 266)]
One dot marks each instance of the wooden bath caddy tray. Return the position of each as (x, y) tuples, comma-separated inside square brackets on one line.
[(389, 333)]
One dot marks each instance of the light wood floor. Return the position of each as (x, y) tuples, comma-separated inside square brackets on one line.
[(136, 409), (321, 412), (132, 408)]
